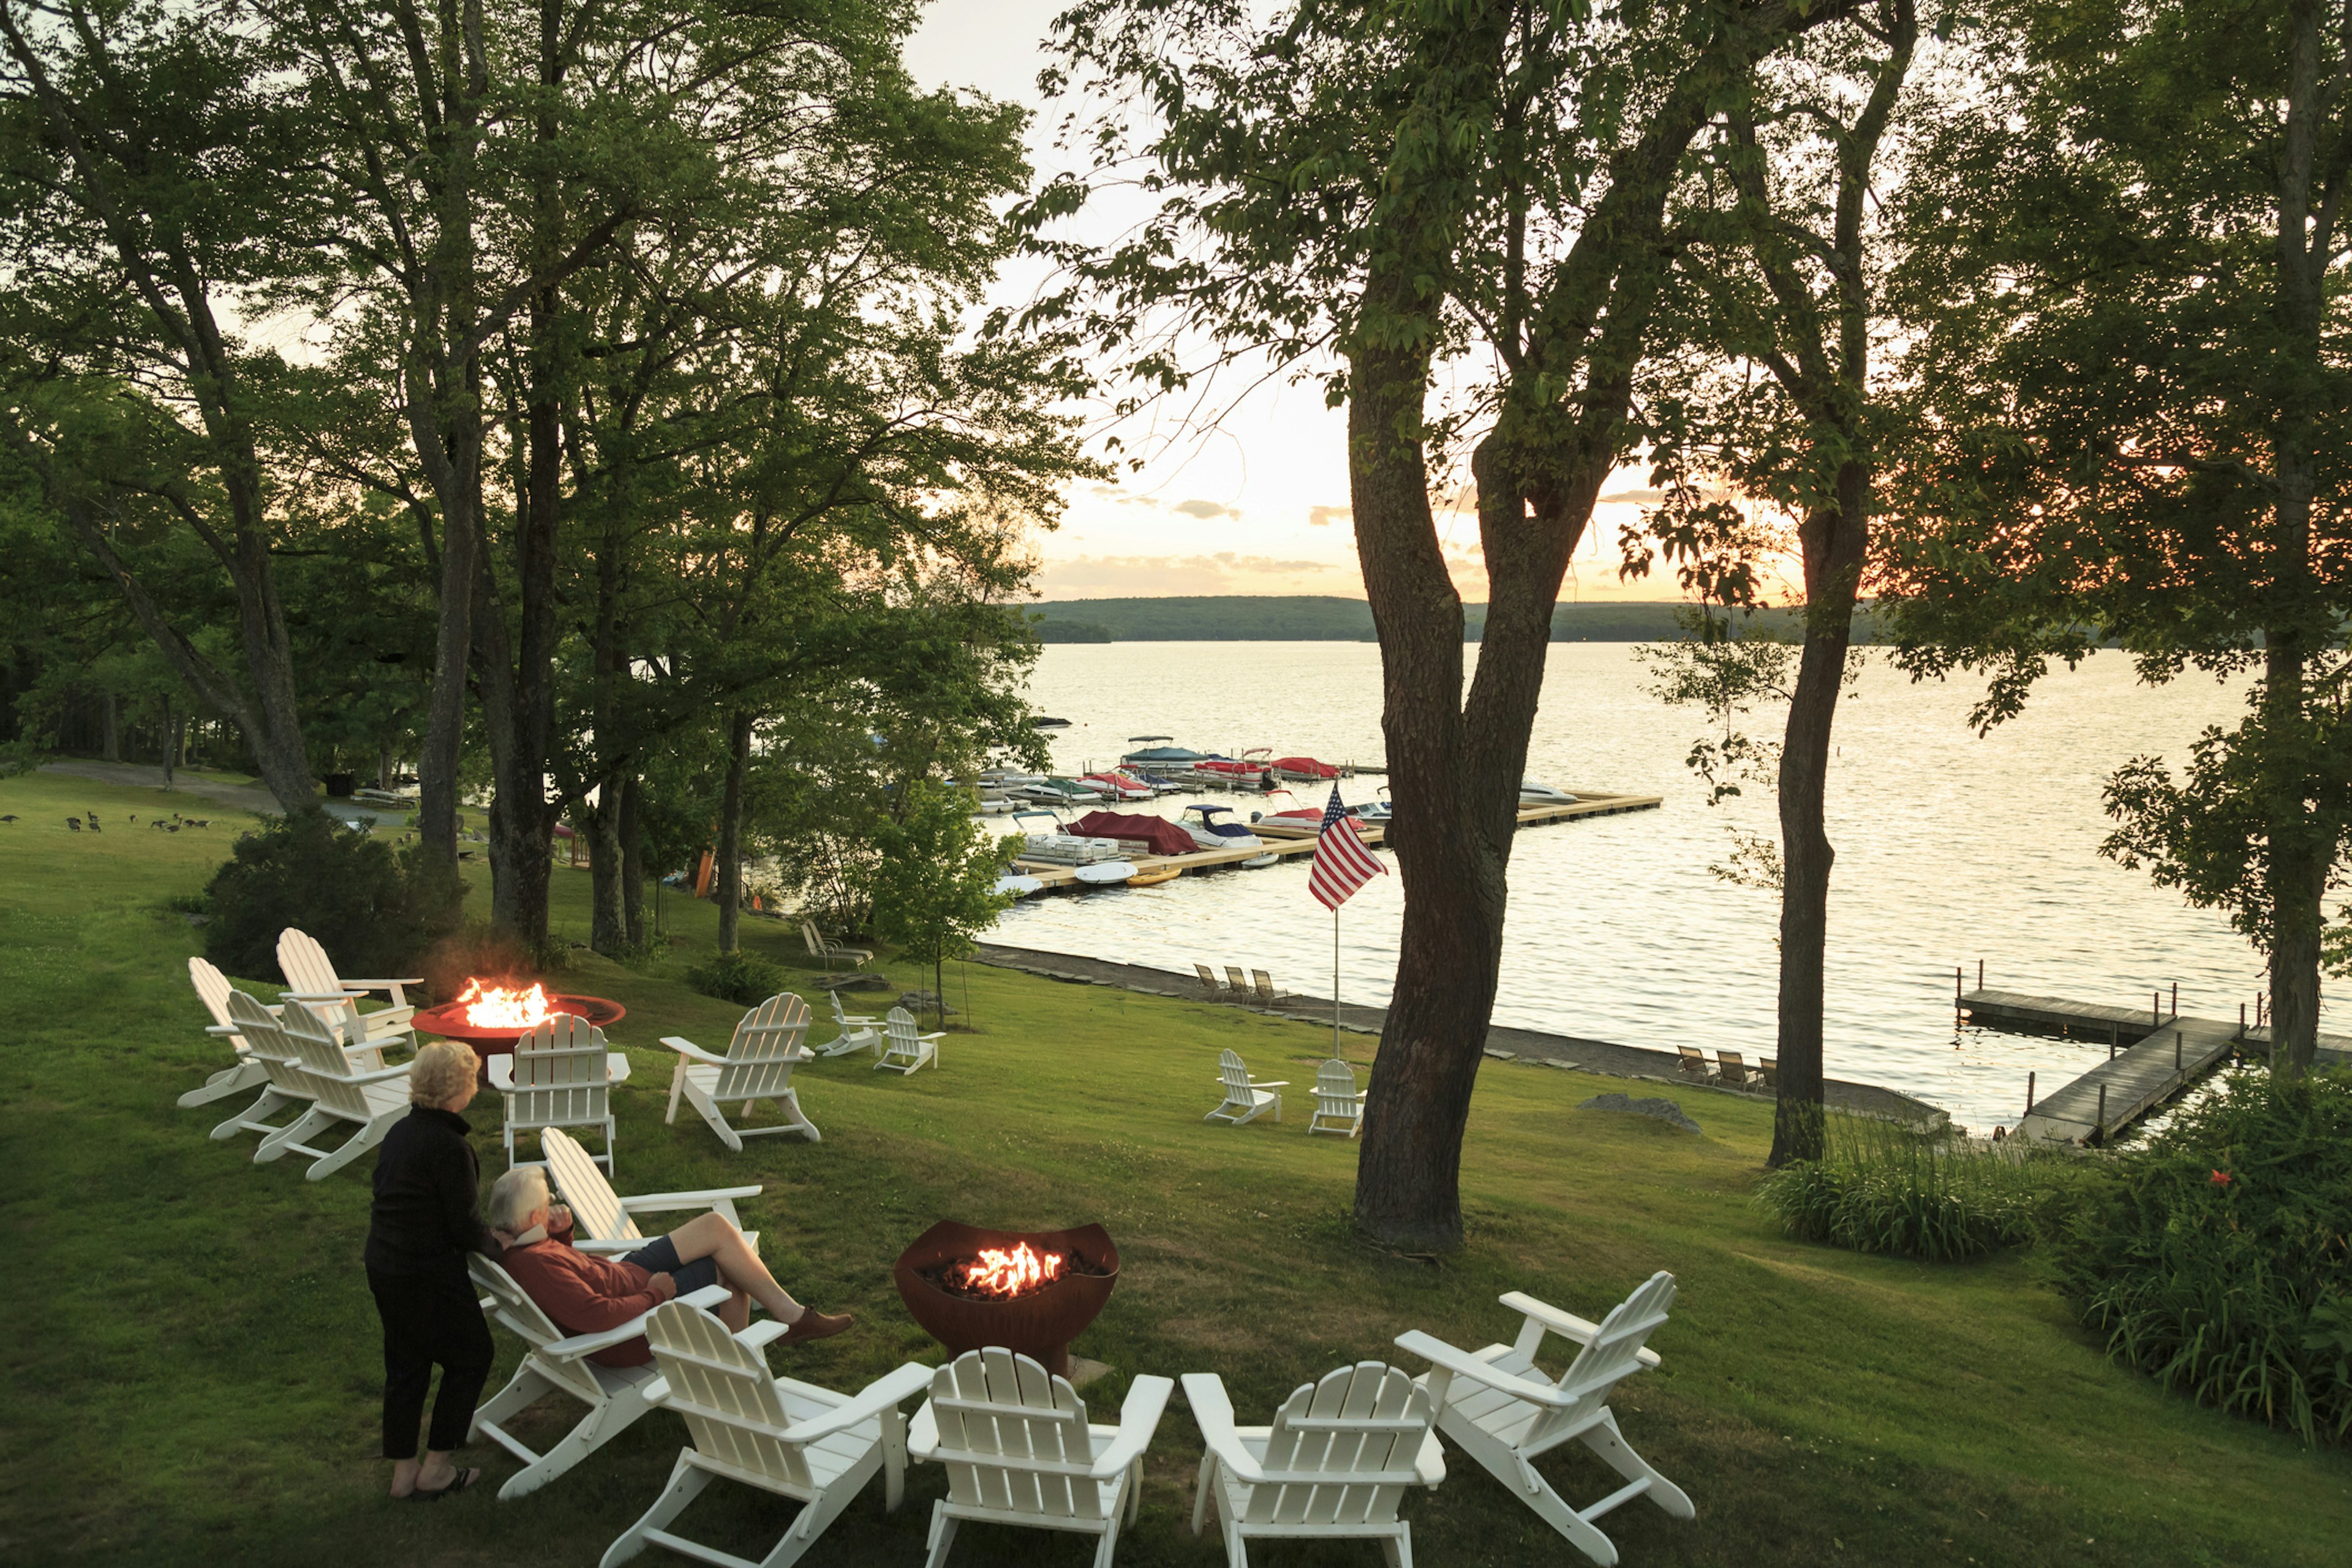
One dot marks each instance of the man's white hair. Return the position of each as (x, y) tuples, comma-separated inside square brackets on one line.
[(516, 1196)]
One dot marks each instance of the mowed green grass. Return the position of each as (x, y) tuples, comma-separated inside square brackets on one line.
[(191, 1356)]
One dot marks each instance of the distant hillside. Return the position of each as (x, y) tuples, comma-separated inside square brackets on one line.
[(1235, 617)]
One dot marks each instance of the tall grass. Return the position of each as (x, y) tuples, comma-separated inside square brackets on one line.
[(1883, 1187)]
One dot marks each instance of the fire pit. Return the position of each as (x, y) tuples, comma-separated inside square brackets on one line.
[(1030, 1291), (489, 1017)]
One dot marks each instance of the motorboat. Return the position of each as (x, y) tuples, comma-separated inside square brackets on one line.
[(1534, 794), (1117, 786), (1060, 791), (1255, 861), (1210, 831), (1069, 849), (1304, 768)]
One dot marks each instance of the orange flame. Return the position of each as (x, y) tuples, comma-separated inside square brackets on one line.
[(497, 1007), (997, 1272)]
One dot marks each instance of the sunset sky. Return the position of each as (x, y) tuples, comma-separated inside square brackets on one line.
[(1259, 504)]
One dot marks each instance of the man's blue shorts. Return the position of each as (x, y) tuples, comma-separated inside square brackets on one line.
[(660, 1257)]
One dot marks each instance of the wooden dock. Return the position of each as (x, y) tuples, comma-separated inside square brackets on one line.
[(2153, 1055), (1301, 841)]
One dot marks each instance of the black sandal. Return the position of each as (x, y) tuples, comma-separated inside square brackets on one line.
[(458, 1483)]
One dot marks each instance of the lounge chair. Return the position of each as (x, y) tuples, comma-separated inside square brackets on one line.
[(1498, 1407), (1018, 1450), (1246, 1098), (1267, 994), (1695, 1065), (560, 1075), (758, 1066), (1734, 1072), (1209, 980), (825, 951), (1237, 981), (1768, 1069), (1334, 1464)]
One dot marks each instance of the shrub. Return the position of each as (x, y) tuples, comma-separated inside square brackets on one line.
[(2214, 1256), (374, 911), (736, 977), (1885, 1188)]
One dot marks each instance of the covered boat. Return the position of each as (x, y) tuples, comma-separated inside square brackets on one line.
[(1156, 834), (1304, 768), (1210, 833)]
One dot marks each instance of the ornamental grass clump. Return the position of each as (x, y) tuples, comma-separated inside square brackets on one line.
[(736, 977), (1883, 1187), (2214, 1257)]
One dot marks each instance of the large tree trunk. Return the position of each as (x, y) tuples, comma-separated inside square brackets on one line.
[(607, 925), (1834, 541), (730, 829), (110, 731), (632, 863)]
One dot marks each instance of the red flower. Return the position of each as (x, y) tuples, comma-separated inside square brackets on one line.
[(2220, 1178)]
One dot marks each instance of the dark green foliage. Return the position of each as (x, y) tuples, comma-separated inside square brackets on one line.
[(1885, 1188), (1070, 631), (185, 903), (2215, 1258), (375, 912), (477, 950), (736, 977), (1307, 619)]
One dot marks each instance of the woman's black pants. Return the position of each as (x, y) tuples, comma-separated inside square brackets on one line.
[(430, 1318)]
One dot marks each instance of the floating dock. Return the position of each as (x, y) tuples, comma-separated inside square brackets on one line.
[(2152, 1054), (1301, 841)]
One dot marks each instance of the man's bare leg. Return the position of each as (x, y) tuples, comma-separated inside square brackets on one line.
[(713, 1237)]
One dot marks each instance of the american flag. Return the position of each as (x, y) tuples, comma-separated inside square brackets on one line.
[(1342, 864)]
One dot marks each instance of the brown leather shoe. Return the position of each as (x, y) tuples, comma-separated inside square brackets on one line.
[(816, 1325)]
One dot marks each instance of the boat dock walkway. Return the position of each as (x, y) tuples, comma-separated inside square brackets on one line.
[(2152, 1054), (1301, 841), (1503, 1042)]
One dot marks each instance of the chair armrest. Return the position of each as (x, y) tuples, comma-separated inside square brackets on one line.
[(709, 1297), (396, 1069), (655, 1202), (934, 1034), (617, 1066), (759, 1336), (501, 1070), (1566, 1325), (686, 1048), (1270, 1083), (598, 1249), (386, 985), (1437, 1353), (885, 1393), (1138, 1418), (1213, 1412), (309, 997)]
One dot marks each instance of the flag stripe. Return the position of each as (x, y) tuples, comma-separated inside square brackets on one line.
[(1342, 864)]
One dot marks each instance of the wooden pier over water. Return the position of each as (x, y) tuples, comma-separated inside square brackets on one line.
[(2152, 1054), (1063, 878)]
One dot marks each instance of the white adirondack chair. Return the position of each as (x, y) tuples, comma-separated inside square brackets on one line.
[(310, 979), (858, 1031), (342, 1092), (1018, 1450), (900, 1048), (1338, 1103), (561, 1075), (1246, 1098), (1496, 1406), (281, 1065), (604, 1222), (781, 1436), (1334, 1464), (758, 1066), (247, 1071), (554, 1362)]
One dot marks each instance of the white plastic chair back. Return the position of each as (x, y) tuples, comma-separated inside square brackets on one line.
[(1236, 1076), (305, 964), (765, 1049), (268, 1042), (1335, 1092), (1611, 1358), (318, 1049), (732, 1406), (1013, 1437), (513, 1307), (597, 1210), (562, 1076), (1342, 1450), (905, 1040), (212, 990)]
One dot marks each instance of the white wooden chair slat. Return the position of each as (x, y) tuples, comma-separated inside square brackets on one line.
[(758, 1066), (1246, 1099), (1018, 1450), (900, 1048), (561, 1075), (309, 973), (265, 1043), (338, 1090), (740, 1419), (1504, 1428), (246, 1071), (1338, 1104)]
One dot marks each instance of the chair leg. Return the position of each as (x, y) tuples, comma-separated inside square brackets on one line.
[(1581, 1534), (686, 1482), (1398, 1547), (1108, 1545), (894, 1459), (943, 1530), (710, 1113), (361, 1141), (224, 1083), (816, 1516), (255, 1117), (1202, 1486), (595, 1430), (293, 1132), (1610, 1444), (677, 1083)]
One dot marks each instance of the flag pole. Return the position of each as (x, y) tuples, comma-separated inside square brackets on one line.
[(1334, 987)]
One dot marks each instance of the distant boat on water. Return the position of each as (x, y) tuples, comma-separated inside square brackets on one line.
[(1534, 794), (1212, 832)]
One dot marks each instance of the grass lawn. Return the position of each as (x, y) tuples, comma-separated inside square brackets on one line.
[(191, 1355)]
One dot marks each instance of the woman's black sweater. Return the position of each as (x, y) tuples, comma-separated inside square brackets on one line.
[(427, 1211)]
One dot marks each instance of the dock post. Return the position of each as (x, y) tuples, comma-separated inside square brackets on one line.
[(1979, 973), (2029, 1094), (2111, 1047), (2176, 1052), (2176, 998), (2103, 1110), (2242, 1023), (1956, 988), (2155, 1009)]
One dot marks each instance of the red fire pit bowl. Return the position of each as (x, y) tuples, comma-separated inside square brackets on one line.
[(448, 1021), (1040, 1324)]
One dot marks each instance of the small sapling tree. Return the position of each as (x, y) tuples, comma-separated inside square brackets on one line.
[(935, 884)]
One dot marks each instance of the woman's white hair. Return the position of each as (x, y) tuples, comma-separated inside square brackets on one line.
[(516, 1196), (441, 1071)]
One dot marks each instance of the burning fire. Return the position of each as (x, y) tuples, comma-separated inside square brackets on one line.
[(497, 1007), (996, 1272)]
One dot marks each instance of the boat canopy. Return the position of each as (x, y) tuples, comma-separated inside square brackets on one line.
[(1307, 766), (1166, 754), (1158, 834)]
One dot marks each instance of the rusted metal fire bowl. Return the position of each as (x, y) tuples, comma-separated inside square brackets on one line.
[(448, 1021), (1039, 1324)]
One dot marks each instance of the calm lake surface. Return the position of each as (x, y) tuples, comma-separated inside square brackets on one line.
[(1950, 849)]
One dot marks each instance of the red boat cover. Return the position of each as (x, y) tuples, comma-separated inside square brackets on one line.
[(1307, 766), (1158, 834)]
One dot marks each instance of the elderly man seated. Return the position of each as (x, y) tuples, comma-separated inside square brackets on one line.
[(584, 1294)]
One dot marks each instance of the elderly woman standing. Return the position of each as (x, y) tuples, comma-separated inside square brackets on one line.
[(425, 1218)]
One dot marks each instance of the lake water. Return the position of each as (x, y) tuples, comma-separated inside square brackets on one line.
[(1950, 849)]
